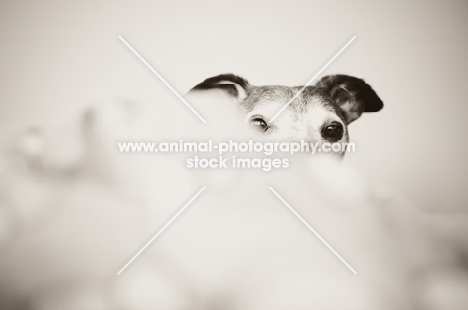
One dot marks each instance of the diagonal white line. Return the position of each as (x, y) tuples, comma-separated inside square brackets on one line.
[(161, 230), (163, 80), (311, 80), (313, 230)]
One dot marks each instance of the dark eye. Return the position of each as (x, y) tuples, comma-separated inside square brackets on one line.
[(332, 132), (259, 124)]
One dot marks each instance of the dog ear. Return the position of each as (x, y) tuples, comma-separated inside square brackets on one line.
[(352, 95), (231, 84)]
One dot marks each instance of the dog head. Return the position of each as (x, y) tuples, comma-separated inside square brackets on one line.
[(320, 113)]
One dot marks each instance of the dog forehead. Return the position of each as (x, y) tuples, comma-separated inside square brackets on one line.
[(268, 100)]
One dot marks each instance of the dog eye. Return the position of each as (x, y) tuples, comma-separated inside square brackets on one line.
[(259, 124), (332, 132)]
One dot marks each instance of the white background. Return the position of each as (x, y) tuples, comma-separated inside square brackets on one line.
[(58, 56)]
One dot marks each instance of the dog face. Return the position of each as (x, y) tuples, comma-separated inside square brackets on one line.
[(321, 113)]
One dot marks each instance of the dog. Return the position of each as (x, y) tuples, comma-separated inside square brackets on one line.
[(320, 113)]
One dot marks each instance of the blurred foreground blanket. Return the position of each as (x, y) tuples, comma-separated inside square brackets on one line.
[(73, 211)]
